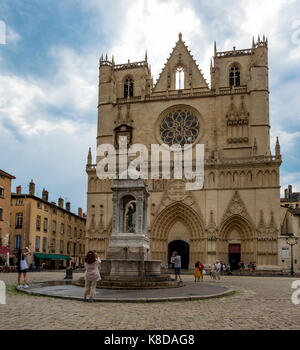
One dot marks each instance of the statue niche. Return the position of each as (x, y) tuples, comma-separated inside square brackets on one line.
[(129, 207)]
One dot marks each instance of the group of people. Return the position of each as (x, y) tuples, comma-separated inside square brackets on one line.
[(217, 269), (252, 266), (199, 271), (92, 273)]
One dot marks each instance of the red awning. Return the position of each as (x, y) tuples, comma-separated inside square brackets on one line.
[(4, 251)]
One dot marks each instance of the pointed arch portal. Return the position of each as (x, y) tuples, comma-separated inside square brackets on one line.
[(162, 234), (183, 249), (236, 241)]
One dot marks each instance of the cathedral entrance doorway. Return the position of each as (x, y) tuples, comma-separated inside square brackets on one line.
[(183, 249), (234, 255)]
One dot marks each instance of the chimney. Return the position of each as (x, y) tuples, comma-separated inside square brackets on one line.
[(286, 194), (53, 203), (60, 202), (290, 191), (45, 195), (19, 189), (80, 212), (31, 188), (68, 206), (84, 215)]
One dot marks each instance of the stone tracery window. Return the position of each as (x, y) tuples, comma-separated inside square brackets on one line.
[(234, 76), (180, 126), (128, 88)]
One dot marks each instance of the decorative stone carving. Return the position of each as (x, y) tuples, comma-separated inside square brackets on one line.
[(236, 207), (134, 240), (159, 185), (237, 123), (211, 229), (176, 192)]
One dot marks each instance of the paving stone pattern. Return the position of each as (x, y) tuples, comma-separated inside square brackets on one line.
[(259, 303)]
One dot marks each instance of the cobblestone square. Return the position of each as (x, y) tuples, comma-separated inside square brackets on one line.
[(259, 303)]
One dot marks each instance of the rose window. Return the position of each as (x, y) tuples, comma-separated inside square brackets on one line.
[(179, 127)]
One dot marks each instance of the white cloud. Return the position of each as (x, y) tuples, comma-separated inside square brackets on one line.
[(286, 139), (154, 25), (61, 102), (11, 36), (74, 84)]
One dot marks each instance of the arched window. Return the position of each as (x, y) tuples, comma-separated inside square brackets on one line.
[(179, 78), (234, 76), (128, 88)]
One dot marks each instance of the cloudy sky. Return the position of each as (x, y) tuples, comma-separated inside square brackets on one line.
[(49, 73)]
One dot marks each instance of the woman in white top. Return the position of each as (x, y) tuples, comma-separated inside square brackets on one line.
[(92, 275)]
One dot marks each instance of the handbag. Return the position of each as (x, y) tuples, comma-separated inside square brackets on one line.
[(23, 265)]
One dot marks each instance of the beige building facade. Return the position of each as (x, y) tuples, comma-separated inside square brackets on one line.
[(54, 234), (236, 216), (291, 199), (290, 224), (5, 197)]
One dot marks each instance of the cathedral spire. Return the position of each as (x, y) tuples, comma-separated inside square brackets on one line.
[(277, 149), (146, 56), (179, 36), (89, 158)]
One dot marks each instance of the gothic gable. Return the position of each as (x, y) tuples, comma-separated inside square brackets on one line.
[(236, 207), (180, 57), (176, 192)]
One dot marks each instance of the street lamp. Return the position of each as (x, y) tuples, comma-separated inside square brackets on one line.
[(292, 240), (76, 241)]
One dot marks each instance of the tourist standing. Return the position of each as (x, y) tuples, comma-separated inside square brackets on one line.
[(213, 272), (92, 275), (22, 266), (218, 268), (172, 260), (197, 273), (201, 268), (224, 268), (177, 266)]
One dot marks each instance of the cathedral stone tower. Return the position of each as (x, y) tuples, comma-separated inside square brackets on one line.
[(235, 217)]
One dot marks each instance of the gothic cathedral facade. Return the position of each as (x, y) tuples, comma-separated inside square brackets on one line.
[(236, 216)]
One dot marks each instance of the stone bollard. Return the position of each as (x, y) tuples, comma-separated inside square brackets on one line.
[(69, 273)]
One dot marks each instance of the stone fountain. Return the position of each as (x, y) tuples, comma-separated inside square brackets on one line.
[(128, 264)]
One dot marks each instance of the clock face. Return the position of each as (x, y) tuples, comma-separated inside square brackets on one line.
[(180, 127)]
